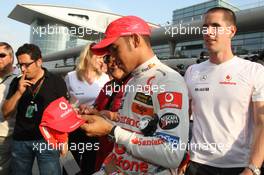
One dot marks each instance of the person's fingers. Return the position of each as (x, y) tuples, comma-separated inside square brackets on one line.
[(83, 109), (104, 113), (76, 110), (89, 118), (116, 117), (64, 150), (90, 111), (80, 110), (87, 111), (27, 81), (82, 106), (86, 127), (23, 76), (27, 84)]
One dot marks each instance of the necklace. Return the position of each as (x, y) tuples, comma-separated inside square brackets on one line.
[(32, 107)]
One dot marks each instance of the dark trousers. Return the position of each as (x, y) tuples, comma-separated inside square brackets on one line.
[(85, 155), (201, 169)]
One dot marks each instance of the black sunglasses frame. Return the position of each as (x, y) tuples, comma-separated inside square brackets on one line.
[(3, 55), (26, 65), (107, 59)]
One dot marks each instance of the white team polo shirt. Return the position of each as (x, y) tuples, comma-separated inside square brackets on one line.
[(85, 93), (221, 104)]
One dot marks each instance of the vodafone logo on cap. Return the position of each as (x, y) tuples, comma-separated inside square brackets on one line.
[(63, 105), (65, 110)]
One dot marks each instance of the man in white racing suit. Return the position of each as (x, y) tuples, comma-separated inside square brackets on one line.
[(152, 129)]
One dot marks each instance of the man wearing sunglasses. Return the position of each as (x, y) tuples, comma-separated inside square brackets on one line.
[(153, 117), (6, 126), (28, 96)]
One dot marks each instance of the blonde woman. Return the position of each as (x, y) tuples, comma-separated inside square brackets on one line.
[(84, 85)]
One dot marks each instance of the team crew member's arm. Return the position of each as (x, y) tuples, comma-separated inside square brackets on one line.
[(16, 90), (257, 155), (257, 150)]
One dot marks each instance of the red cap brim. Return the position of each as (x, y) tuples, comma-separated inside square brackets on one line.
[(104, 43), (53, 137), (68, 125), (100, 52), (60, 116)]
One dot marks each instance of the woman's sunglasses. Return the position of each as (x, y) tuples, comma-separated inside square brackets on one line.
[(107, 59), (2, 55)]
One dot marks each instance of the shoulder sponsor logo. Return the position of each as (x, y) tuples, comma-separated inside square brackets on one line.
[(141, 97), (142, 110), (227, 81), (148, 67), (170, 100), (169, 121), (173, 140)]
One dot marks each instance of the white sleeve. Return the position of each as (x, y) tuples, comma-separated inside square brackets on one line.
[(258, 86), (67, 81), (187, 79)]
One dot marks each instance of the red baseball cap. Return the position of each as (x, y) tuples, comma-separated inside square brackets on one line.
[(99, 52), (125, 26), (60, 116), (53, 137)]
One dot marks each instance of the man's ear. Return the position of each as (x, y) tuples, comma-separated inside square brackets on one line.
[(39, 62), (233, 31), (136, 40)]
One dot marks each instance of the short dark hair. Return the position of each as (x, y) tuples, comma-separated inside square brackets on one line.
[(32, 50), (8, 48), (147, 39), (229, 15)]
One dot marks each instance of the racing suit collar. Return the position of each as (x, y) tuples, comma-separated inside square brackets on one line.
[(146, 66)]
